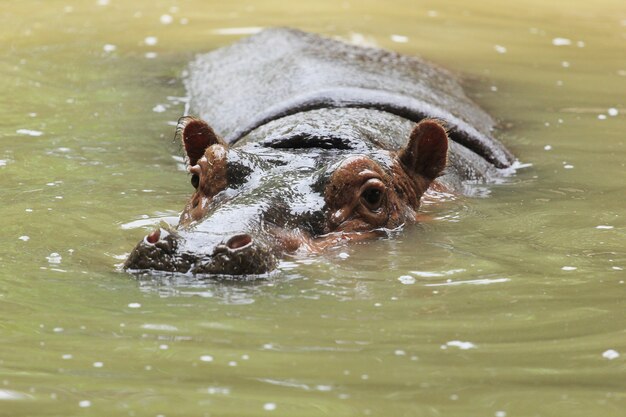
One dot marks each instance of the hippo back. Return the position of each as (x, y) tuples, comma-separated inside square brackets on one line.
[(280, 72)]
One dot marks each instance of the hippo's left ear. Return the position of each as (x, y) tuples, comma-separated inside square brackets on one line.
[(196, 136), (426, 153)]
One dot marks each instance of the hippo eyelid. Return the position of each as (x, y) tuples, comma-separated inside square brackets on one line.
[(372, 194), (195, 181)]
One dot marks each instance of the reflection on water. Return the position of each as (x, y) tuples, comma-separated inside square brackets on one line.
[(506, 303)]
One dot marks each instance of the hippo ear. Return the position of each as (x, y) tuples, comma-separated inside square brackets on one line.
[(427, 151), (196, 136)]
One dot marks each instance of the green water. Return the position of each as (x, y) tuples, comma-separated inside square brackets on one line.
[(509, 305)]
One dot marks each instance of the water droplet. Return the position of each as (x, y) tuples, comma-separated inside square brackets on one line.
[(461, 345), (29, 132), (561, 42), (500, 49), (54, 258), (610, 354), (406, 279), (269, 406), (399, 38)]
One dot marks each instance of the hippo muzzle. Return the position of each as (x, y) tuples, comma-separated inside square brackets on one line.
[(240, 254)]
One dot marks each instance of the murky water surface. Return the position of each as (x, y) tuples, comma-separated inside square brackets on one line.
[(508, 305)]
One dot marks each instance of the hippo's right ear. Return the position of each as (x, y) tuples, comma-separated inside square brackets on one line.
[(426, 153), (196, 136)]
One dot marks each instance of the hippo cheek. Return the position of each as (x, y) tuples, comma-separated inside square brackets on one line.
[(239, 255), (157, 251)]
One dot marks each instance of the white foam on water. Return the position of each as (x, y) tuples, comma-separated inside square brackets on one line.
[(406, 279), (9, 395), (500, 49), (29, 132), (250, 30), (54, 258), (269, 406), (484, 281), (459, 344), (399, 38), (561, 42), (164, 327)]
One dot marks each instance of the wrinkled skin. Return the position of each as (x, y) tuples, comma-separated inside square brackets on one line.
[(253, 203)]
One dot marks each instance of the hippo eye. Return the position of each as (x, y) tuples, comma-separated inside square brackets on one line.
[(372, 194), (195, 181)]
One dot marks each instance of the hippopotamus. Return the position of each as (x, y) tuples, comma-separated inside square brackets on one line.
[(300, 142)]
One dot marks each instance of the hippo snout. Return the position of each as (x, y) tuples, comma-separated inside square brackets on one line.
[(239, 255), (157, 251)]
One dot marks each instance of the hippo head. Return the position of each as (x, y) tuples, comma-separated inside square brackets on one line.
[(253, 203)]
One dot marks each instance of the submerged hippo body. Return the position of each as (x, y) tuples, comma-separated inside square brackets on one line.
[(313, 141)]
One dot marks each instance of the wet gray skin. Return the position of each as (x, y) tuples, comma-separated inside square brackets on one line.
[(269, 191), (286, 141)]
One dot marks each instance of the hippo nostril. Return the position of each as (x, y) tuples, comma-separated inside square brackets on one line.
[(154, 236), (239, 241)]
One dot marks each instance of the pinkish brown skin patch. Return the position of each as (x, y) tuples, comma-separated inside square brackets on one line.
[(206, 158), (197, 135), (361, 196), (211, 176)]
